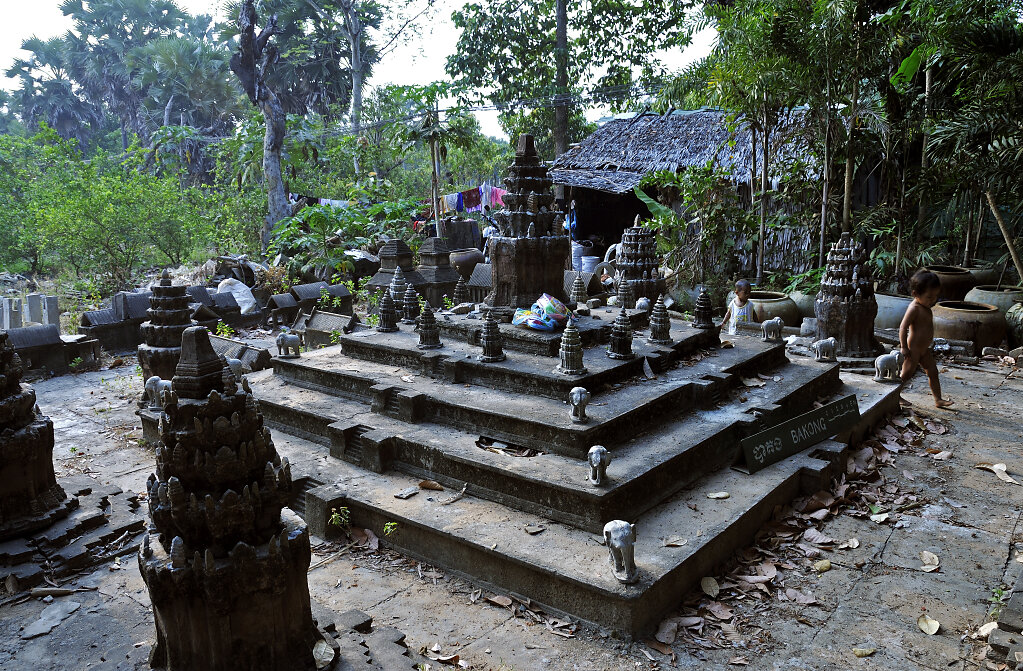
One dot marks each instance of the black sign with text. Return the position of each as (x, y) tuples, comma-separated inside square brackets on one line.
[(799, 433)]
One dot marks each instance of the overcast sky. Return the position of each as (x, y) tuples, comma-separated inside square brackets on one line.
[(419, 61)]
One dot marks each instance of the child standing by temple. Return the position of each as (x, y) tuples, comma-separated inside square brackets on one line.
[(740, 309), (916, 333)]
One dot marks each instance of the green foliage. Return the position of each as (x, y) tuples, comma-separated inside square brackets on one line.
[(342, 518), (224, 330), (390, 528)]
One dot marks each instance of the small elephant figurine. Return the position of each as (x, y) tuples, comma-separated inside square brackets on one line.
[(888, 367), (289, 345), (824, 350), (771, 329), (236, 366), (154, 391), (620, 538), (579, 397), (599, 459)]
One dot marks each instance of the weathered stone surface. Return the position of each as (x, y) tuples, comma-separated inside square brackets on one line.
[(169, 316), (639, 263), (435, 268), (225, 568)]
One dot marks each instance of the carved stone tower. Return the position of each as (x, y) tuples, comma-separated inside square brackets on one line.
[(845, 307), (168, 318)]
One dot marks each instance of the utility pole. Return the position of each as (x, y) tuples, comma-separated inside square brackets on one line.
[(561, 80)]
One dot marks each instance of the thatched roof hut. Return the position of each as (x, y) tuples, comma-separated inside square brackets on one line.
[(615, 157)]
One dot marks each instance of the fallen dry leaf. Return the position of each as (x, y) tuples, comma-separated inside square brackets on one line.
[(710, 587), (999, 470), (930, 561), (880, 518), (753, 382), (658, 646), (738, 661), (675, 542), (431, 485), (944, 455), (851, 544), (500, 600), (811, 535), (799, 597), (928, 624), (667, 631), (985, 630), (864, 652), (719, 610), (822, 566), (718, 495)]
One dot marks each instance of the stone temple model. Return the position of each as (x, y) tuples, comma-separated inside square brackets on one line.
[(169, 316), (532, 256), (226, 563), (30, 497), (638, 263), (49, 528), (845, 306)]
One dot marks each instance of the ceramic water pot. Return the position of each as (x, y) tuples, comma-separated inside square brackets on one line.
[(1001, 296), (804, 302), (984, 274), (1014, 319), (771, 304), (890, 310), (955, 282), (983, 325), (465, 260)]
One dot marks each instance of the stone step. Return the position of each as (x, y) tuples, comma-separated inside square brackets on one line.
[(543, 424), (645, 469), (564, 568)]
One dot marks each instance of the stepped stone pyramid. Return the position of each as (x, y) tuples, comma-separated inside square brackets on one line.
[(169, 316)]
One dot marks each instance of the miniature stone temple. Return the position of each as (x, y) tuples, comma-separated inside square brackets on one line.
[(30, 497), (637, 261), (410, 306), (571, 353), (169, 316), (394, 254), (398, 286), (626, 296), (491, 341), (660, 324), (226, 562), (532, 259), (461, 293), (703, 314), (388, 315), (621, 338), (579, 294), (845, 306), (436, 270), (429, 334)]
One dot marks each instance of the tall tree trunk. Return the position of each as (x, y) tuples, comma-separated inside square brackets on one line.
[(561, 85), (826, 190), (167, 111), (435, 170), (753, 169), (1005, 232), (850, 154), (354, 28), (921, 213), (250, 63), (764, 186)]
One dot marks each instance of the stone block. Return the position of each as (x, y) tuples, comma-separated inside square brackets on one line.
[(34, 308), (10, 313), (354, 620), (594, 303), (1002, 641)]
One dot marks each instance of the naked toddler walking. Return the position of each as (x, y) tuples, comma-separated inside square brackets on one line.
[(916, 333)]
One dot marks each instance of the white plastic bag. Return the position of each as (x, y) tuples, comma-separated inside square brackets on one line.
[(242, 294)]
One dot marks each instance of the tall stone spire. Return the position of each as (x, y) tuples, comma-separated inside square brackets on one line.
[(226, 565), (169, 316)]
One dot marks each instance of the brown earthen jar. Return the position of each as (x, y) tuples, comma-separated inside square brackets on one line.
[(981, 324), (955, 282), (773, 304), (1001, 296), (1014, 318)]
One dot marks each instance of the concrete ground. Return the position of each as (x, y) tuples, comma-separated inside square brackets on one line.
[(776, 606)]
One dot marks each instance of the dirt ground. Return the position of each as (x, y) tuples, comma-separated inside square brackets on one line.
[(915, 488)]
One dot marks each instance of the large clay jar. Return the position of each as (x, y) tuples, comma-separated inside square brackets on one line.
[(1014, 319), (955, 282), (983, 325), (983, 274), (890, 310), (1001, 296), (804, 302), (771, 304), (465, 260)]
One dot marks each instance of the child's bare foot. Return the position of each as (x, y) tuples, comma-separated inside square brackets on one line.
[(942, 403)]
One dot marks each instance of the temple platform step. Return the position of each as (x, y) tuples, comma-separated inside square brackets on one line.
[(647, 467), (617, 411), (565, 568)]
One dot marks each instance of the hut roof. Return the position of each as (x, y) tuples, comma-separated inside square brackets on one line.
[(617, 155)]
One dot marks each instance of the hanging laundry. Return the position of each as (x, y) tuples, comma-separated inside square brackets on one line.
[(459, 206), (471, 199), (497, 197), (451, 202)]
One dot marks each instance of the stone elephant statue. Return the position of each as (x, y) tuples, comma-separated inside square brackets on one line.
[(620, 538), (771, 329), (824, 350), (155, 386), (579, 397), (236, 366), (289, 344), (888, 367), (599, 459)]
